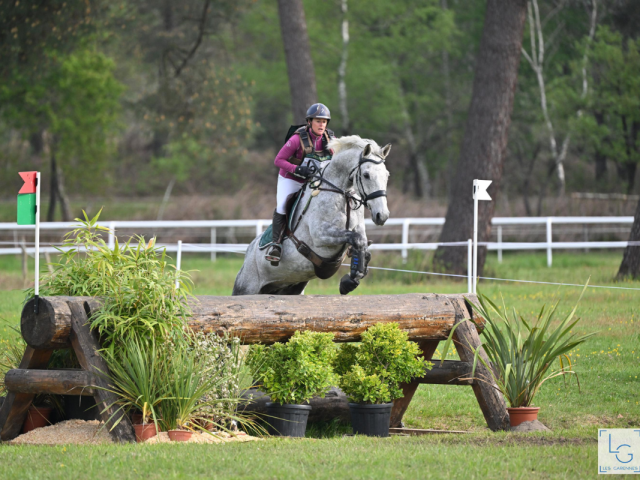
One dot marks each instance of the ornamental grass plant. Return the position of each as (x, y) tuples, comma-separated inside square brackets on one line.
[(371, 372), (522, 353)]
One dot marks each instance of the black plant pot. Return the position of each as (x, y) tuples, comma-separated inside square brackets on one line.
[(287, 420), (371, 420)]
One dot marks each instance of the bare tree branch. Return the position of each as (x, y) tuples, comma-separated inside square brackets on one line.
[(201, 28)]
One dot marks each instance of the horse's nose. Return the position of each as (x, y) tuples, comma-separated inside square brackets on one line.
[(378, 217)]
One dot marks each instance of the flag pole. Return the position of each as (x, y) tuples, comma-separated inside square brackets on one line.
[(475, 236), (37, 254)]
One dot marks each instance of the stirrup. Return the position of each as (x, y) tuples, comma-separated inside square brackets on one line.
[(271, 257)]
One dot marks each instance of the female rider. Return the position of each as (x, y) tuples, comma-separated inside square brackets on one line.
[(308, 142)]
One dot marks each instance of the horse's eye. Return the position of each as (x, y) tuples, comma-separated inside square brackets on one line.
[(367, 176)]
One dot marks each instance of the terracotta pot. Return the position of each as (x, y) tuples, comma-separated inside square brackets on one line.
[(36, 417), (517, 415), (179, 435), (136, 418), (144, 431)]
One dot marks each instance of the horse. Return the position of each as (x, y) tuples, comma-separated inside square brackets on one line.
[(327, 221)]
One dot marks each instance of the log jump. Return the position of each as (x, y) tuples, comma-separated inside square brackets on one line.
[(427, 319)]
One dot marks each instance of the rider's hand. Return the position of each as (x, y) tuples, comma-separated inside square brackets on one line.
[(302, 171)]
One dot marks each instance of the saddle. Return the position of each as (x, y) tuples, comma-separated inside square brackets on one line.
[(324, 267)]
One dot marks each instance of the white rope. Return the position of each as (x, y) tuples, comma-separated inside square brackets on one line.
[(500, 279)]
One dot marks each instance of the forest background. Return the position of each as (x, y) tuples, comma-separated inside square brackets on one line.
[(138, 99)]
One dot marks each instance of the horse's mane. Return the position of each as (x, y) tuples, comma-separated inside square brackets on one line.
[(351, 141)]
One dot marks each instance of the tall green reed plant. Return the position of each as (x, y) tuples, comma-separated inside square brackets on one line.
[(136, 283), (522, 354)]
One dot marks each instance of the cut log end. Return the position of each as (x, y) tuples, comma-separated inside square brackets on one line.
[(48, 329)]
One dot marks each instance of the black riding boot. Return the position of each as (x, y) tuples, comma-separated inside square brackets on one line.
[(278, 226)]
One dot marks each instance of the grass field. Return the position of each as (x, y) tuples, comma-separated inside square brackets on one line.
[(608, 367)]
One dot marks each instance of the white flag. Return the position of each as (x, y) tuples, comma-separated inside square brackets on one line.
[(480, 189)]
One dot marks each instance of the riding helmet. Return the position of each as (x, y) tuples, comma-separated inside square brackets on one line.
[(318, 110)]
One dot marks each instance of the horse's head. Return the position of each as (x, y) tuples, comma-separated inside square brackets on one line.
[(370, 178)]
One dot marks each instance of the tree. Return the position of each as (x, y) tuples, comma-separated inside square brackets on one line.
[(76, 103), (630, 266), (302, 76), (483, 147)]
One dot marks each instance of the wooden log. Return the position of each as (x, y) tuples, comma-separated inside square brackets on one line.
[(450, 373), (50, 328), (15, 405), (489, 397), (400, 405), (274, 318), (85, 344), (58, 382)]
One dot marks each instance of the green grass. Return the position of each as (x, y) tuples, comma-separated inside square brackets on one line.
[(608, 368)]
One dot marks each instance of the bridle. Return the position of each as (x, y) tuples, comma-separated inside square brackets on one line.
[(358, 180)]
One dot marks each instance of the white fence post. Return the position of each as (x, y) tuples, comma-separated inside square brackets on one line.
[(112, 235), (178, 262), (214, 241), (469, 266), (499, 244), (549, 241), (405, 239)]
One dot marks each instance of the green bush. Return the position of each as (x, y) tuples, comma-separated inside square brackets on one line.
[(136, 283), (372, 371), (296, 371)]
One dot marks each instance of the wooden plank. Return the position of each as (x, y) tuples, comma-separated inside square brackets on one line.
[(489, 398), (421, 431), (15, 405), (57, 382), (400, 405), (85, 344)]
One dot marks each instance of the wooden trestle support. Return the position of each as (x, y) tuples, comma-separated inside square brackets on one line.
[(62, 322)]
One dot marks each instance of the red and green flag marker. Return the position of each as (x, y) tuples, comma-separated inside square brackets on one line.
[(29, 214)]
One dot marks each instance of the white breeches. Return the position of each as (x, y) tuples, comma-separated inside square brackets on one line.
[(286, 187)]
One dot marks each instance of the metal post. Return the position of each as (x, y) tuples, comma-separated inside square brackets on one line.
[(36, 290), (469, 267), (475, 237), (499, 244), (112, 235), (405, 239), (214, 241), (549, 240), (178, 262)]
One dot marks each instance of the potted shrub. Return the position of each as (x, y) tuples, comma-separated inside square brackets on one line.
[(522, 354), (291, 374), (371, 373)]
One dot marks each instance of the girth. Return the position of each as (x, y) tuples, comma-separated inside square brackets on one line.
[(323, 267)]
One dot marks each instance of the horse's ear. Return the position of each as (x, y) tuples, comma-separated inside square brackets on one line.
[(385, 150), (367, 150)]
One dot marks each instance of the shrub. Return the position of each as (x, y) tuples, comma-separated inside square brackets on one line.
[(296, 371), (136, 283), (372, 371)]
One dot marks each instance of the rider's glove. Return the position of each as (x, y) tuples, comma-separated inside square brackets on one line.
[(302, 171)]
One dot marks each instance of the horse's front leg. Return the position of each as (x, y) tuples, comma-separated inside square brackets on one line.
[(330, 235)]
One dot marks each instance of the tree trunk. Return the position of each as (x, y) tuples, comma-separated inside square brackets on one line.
[(600, 158), (302, 77), (342, 70), (57, 191), (483, 147), (630, 266)]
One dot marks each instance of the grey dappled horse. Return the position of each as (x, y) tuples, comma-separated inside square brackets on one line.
[(358, 168)]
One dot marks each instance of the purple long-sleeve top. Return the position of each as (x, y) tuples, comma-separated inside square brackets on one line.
[(293, 148)]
